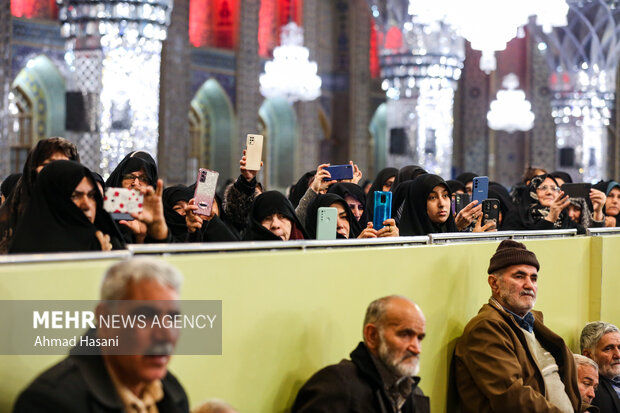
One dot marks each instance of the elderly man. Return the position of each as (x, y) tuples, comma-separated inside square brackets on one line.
[(507, 360), (381, 375), (587, 380), (600, 341), (136, 382)]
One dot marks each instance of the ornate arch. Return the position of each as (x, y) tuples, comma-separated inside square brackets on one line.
[(43, 85), (280, 123), (211, 120)]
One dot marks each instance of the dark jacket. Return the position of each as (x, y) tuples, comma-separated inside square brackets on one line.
[(606, 398), (81, 384), (495, 370), (353, 386)]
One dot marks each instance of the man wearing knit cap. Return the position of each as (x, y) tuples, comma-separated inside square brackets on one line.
[(507, 360)]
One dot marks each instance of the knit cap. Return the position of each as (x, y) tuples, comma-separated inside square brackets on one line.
[(509, 253)]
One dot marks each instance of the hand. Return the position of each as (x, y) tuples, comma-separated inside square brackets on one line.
[(104, 240), (152, 213), (389, 229), (247, 174), (610, 222), (319, 185), (598, 199), (488, 227), (467, 215), (138, 228), (357, 173), (368, 232), (556, 208), (193, 221)]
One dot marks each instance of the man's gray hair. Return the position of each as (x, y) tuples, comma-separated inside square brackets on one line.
[(584, 361), (593, 332), (121, 274), (376, 310)]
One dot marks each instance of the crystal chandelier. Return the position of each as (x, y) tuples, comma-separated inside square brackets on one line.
[(290, 74), (511, 112), (583, 59), (487, 24), (113, 49), (420, 67)]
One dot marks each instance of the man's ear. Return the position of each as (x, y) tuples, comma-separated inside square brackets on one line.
[(493, 283), (587, 353), (371, 336)]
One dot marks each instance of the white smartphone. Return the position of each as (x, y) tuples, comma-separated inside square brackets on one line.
[(253, 152), (121, 202)]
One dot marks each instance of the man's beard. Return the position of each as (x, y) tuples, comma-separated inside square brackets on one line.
[(409, 365), (608, 370)]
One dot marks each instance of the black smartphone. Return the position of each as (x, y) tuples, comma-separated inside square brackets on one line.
[(490, 211), (460, 202), (579, 190)]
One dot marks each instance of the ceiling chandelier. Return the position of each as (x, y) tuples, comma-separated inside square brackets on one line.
[(487, 24), (511, 112), (290, 74)]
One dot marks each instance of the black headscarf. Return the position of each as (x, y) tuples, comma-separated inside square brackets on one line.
[(563, 176), (13, 208), (299, 189), (455, 185), (606, 187), (377, 185), (346, 188), (528, 213), (9, 183), (53, 223), (506, 206), (176, 222), (414, 219), (407, 173), (131, 163), (466, 177), (266, 204), (327, 200)]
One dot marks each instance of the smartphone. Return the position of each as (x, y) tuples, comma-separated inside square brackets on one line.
[(490, 211), (326, 223), (580, 190), (339, 172), (480, 189), (460, 202), (383, 209), (206, 184), (121, 202), (253, 152)]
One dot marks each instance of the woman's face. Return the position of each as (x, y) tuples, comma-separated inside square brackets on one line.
[(179, 207), (342, 226), (84, 197), (355, 206), (574, 212), (438, 204), (547, 192), (279, 225), (388, 184), (612, 204)]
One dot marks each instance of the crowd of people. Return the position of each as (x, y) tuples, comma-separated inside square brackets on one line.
[(506, 360), (56, 204)]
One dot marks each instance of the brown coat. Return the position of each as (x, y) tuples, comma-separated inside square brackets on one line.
[(496, 372)]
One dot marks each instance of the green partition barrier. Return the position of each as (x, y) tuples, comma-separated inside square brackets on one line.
[(287, 314)]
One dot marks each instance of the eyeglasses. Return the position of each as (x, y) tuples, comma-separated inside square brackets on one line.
[(549, 188), (131, 177)]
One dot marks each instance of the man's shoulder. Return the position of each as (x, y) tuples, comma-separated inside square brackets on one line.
[(59, 387)]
